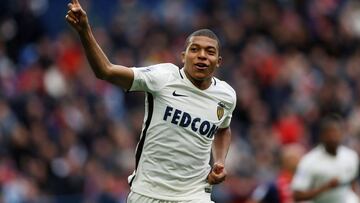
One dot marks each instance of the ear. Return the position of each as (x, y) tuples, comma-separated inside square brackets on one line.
[(219, 62), (183, 57)]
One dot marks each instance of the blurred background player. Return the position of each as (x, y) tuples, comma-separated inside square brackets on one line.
[(329, 172), (279, 190), (188, 114)]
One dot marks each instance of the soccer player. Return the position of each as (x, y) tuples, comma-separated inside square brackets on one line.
[(328, 173), (187, 115)]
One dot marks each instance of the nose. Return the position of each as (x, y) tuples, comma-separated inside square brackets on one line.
[(202, 54)]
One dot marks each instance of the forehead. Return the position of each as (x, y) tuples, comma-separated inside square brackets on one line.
[(203, 41)]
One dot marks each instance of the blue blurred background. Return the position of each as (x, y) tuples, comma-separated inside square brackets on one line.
[(67, 137)]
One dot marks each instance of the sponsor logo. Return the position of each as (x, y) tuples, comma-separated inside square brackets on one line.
[(185, 120), (178, 95)]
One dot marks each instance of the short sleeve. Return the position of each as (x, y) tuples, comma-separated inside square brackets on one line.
[(355, 171), (152, 78), (227, 119), (303, 177), (352, 172)]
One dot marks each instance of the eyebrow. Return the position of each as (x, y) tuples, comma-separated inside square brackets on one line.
[(206, 47)]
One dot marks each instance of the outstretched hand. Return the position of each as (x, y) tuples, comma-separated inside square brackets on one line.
[(76, 16), (217, 174)]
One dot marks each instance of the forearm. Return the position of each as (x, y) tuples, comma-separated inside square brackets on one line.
[(97, 59), (221, 145), (308, 195), (100, 64)]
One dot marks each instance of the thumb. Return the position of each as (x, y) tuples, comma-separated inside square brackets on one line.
[(218, 168)]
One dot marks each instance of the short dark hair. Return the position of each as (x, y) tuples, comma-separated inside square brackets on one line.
[(203, 32)]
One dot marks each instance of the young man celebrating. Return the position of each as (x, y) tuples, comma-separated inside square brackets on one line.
[(187, 115), (329, 172)]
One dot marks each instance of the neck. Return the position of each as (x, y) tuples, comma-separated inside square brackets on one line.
[(201, 84), (331, 151)]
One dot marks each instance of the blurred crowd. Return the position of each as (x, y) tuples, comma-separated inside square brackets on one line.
[(66, 136)]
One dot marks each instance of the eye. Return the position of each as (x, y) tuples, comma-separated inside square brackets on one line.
[(211, 52), (193, 49)]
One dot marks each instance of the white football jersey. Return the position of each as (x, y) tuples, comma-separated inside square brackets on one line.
[(318, 167), (173, 154)]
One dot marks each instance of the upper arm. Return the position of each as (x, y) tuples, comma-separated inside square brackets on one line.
[(302, 179), (302, 182), (221, 144), (223, 131), (121, 76)]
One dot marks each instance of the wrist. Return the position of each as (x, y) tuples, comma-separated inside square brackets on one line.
[(85, 31), (219, 162)]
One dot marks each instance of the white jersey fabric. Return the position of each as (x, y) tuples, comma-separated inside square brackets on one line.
[(173, 154), (137, 198), (318, 167)]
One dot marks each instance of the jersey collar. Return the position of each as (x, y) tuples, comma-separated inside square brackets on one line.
[(184, 77)]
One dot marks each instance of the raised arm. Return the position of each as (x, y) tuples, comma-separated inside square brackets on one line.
[(100, 64), (220, 149)]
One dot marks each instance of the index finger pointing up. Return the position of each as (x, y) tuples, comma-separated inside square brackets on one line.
[(75, 2)]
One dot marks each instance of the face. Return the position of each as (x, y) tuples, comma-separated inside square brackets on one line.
[(331, 137), (201, 58)]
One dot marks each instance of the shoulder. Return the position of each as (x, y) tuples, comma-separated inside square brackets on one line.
[(348, 152), (311, 157), (166, 67), (226, 89), (156, 68)]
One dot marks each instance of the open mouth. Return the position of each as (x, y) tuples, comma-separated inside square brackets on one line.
[(201, 66)]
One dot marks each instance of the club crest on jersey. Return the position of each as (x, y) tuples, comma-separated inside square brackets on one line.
[(220, 110)]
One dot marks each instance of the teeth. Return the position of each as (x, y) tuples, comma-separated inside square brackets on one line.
[(201, 64)]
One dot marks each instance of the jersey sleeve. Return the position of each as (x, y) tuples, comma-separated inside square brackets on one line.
[(152, 78), (302, 180), (227, 119), (353, 173)]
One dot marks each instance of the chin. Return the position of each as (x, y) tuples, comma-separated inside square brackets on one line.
[(201, 77)]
